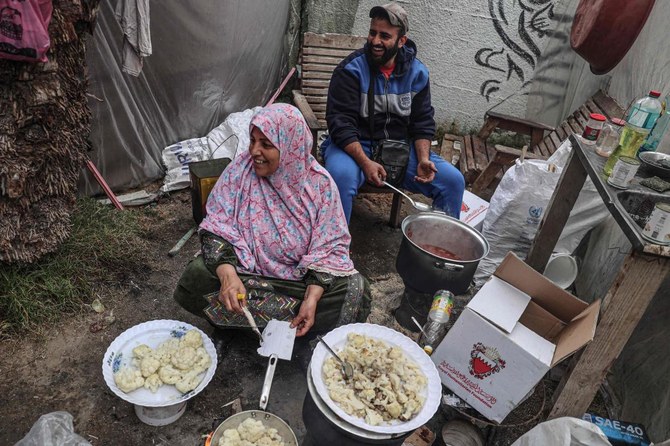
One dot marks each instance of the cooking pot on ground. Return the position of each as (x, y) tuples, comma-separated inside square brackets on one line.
[(439, 252)]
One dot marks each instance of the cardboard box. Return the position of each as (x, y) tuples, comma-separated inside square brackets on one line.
[(513, 331), (473, 210)]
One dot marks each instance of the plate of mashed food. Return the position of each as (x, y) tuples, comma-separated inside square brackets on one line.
[(395, 387)]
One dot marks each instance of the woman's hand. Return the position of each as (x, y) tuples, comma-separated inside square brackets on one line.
[(307, 313), (231, 287)]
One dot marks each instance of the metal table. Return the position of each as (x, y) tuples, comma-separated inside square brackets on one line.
[(637, 281)]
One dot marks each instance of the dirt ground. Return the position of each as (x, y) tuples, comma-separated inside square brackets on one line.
[(61, 371)]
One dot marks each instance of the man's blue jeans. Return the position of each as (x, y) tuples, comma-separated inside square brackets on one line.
[(446, 189)]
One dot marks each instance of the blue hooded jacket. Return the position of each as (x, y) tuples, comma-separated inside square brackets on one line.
[(402, 103)]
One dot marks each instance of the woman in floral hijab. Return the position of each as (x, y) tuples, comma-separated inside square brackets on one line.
[(275, 221)]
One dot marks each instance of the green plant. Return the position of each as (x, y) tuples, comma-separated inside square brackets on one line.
[(104, 245)]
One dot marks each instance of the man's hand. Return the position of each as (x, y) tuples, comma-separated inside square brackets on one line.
[(307, 313), (231, 287), (374, 173), (425, 171)]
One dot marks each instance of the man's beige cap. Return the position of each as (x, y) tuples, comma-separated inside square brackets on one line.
[(396, 14)]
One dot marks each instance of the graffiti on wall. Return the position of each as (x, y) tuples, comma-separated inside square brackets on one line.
[(521, 26)]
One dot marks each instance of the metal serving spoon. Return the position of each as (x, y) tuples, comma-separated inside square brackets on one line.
[(422, 207), (347, 369)]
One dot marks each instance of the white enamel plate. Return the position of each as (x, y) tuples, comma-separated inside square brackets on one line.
[(153, 333), (337, 340)]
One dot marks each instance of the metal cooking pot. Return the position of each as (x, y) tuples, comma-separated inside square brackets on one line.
[(422, 261), (268, 419)]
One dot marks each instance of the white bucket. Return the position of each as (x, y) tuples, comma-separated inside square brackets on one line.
[(160, 416), (561, 269)]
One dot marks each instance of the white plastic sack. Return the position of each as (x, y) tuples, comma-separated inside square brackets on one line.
[(564, 431), (227, 140), (184, 152), (518, 205), (53, 429), (231, 137)]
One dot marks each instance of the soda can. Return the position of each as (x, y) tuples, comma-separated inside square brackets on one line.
[(657, 229), (623, 172)]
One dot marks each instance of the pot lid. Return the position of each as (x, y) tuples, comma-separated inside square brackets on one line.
[(603, 31)]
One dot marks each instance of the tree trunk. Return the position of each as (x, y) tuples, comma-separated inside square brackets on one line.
[(44, 126)]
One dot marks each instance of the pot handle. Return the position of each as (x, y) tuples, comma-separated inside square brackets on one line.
[(267, 382), (448, 266)]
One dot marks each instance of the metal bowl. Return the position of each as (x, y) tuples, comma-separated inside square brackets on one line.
[(268, 419), (656, 162)]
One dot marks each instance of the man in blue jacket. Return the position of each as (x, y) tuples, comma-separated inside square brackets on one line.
[(402, 111)]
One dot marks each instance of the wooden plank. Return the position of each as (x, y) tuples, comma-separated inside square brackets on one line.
[(561, 203), (323, 124), (489, 126), (536, 136), (323, 60), (629, 296), (317, 99), (320, 115), (580, 116), (327, 68), (304, 107), (471, 166), (542, 149), (317, 75), (479, 150), (561, 134), (567, 129), (506, 119), (489, 173), (464, 158), (333, 52), (608, 105), (332, 40), (310, 83), (490, 151), (315, 91), (318, 107), (556, 140), (574, 125)]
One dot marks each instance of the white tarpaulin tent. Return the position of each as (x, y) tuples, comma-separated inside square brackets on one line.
[(209, 59)]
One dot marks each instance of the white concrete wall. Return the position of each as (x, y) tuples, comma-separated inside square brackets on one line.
[(450, 34)]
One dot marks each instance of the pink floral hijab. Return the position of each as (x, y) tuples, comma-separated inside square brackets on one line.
[(289, 222)]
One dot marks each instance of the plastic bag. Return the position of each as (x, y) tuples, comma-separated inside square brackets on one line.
[(53, 429), (564, 431), (24, 29), (518, 205), (227, 140)]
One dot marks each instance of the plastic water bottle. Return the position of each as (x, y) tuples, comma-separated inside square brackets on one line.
[(438, 317), (657, 133), (646, 111)]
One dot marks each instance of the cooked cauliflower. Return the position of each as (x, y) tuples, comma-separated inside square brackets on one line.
[(165, 351), (184, 358), (153, 382), (251, 432), (128, 379), (192, 338), (141, 351), (386, 385), (189, 381), (149, 365), (169, 375), (178, 362)]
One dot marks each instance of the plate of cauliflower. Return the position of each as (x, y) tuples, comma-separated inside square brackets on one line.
[(159, 363), (395, 388), (253, 428)]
